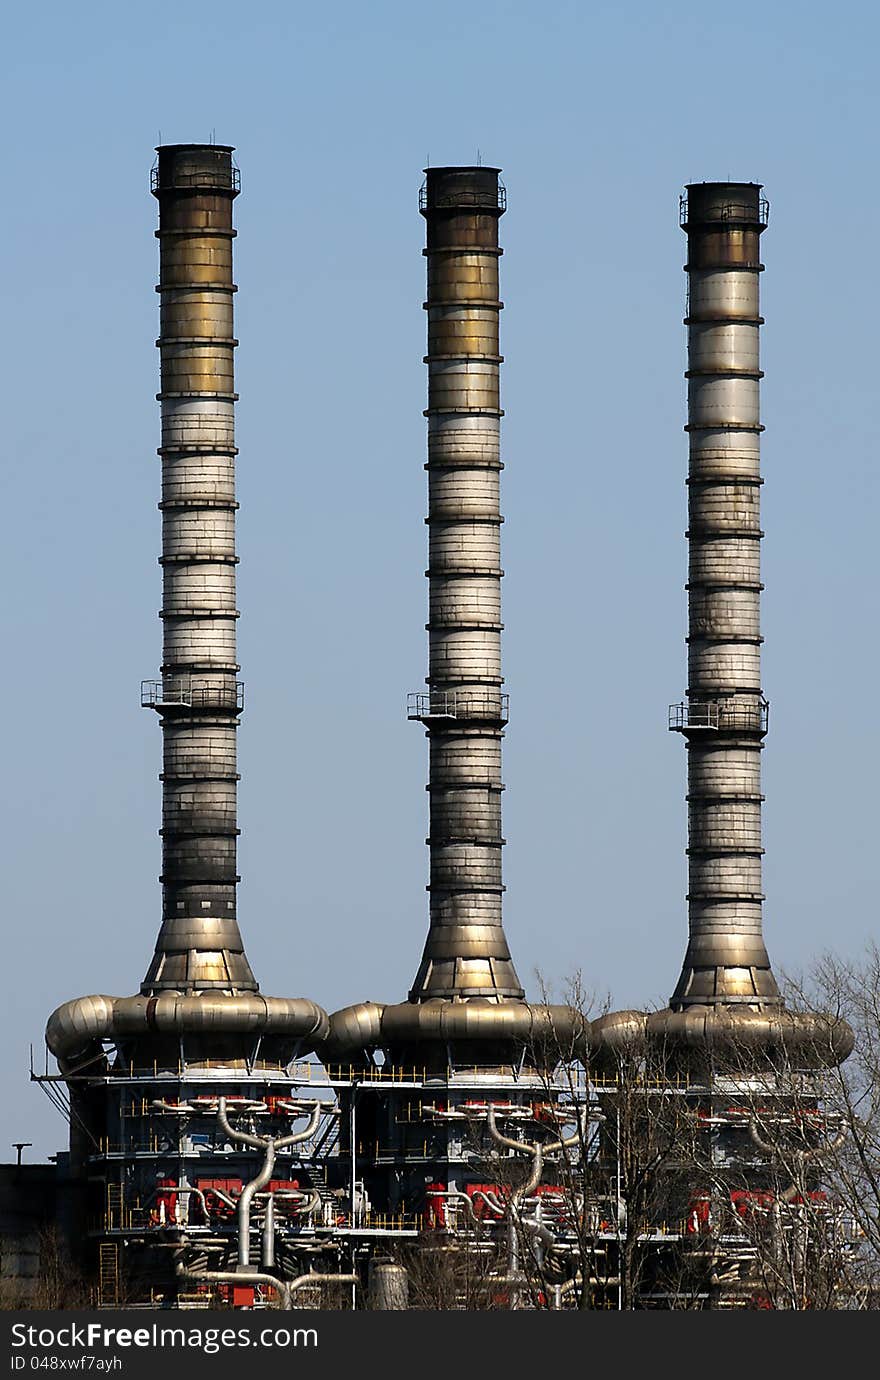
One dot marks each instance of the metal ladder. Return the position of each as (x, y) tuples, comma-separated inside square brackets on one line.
[(113, 1215), (108, 1275)]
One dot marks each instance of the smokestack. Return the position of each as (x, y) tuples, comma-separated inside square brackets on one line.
[(466, 1003), (464, 709), (199, 994), (726, 1004), (724, 718), (199, 697)]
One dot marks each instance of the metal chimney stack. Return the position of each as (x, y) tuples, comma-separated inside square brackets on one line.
[(725, 717), (147, 1074), (199, 697), (464, 710), (199, 997), (466, 1006)]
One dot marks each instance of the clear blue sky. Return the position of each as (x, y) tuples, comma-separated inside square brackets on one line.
[(597, 113)]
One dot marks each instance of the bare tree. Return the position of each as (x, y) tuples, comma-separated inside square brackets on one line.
[(849, 1165), (58, 1283), (599, 1181)]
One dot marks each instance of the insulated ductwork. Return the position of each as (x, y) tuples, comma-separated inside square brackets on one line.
[(199, 697), (724, 719), (464, 709)]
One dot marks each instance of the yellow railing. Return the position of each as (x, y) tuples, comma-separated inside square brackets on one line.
[(311, 1073), (386, 1221)]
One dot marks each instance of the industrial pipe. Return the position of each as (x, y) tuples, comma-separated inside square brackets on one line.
[(77, 1028), (269, 1146), (284, 1288), (267, 1258), (560, 1030)]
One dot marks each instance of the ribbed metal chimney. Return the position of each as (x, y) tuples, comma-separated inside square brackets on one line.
[(199, 987), (464, 710), (466, 1005), (726, 1008), (199, 697), (199, 1029), (724, 719)]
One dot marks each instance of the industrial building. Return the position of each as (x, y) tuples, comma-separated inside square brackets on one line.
[(229, 1149)]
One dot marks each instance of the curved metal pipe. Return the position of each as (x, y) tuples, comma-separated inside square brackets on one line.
[(77, 1027), (619, 1032), (536, 1151), (547, 1147), (269, 1146), (743, 1034), (237, 1277), (308, 1130), (492, 1200), (316, 1278), (244, 1204), (528, 1186), (457, 1196), (313, 1206), (284, 1288), (800, 1157), (810, 1039), (500, 1139), (564, 1031)]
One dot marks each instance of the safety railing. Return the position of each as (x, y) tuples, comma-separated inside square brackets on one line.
[(458, 704), (719, 715), (118, 1217), (465, 197), (204, 1075), (730, 212), (183, 695), (386, 1221), (199, 177)]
